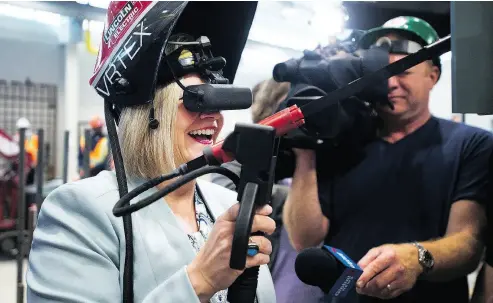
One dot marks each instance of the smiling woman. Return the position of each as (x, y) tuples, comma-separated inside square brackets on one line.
[(177, 249)]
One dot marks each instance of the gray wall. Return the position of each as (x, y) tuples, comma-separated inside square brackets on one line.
[(38, 61)]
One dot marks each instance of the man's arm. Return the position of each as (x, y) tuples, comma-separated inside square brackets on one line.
[(302, 215), (456, 254), (459, 252), (390, 270)]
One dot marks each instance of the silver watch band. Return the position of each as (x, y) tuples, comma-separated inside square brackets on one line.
[(419, 246), (427, 265)]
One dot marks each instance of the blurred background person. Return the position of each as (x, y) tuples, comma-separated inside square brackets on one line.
[(31, 147), (99, 155)]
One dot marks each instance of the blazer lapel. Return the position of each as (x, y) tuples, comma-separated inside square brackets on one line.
[(217, 199), (167, 245)]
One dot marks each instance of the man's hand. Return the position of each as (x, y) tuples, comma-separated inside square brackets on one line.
[(389, 270)]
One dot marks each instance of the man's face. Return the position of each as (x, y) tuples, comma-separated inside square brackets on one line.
[(409, 92)]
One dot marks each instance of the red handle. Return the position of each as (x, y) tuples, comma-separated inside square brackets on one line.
[(283, 121)]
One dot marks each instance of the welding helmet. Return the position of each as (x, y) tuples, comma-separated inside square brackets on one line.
[(132, 62), (417, 32)]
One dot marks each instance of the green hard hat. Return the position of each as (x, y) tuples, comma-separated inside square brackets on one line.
[(412, 28)]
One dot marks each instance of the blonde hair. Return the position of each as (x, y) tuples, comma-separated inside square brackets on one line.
[(148, 153)]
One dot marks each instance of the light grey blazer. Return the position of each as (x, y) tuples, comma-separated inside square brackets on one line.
[(78, 249)]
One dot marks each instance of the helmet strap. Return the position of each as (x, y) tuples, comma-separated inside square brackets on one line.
[(153, 122)]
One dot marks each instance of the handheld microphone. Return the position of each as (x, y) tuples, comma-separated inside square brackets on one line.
[(328, 268), (216, 97), (317, 267)]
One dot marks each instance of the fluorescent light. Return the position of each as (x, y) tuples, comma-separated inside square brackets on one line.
[(99, 3), (30, 14), (95, 3)]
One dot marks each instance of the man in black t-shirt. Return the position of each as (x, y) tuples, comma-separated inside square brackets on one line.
[(411, 211)]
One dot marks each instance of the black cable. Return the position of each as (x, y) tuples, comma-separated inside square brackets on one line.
[(181, 170), (178, 80), (128, 290), (125, 200), (120, 210)]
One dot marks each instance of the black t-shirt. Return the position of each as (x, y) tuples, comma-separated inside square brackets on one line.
[(403, 192)]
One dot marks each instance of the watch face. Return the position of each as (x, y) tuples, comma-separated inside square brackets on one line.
[(426, 259)]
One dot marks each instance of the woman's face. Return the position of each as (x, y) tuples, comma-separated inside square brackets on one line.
[(195, 131)]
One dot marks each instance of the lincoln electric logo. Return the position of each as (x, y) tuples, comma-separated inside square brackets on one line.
[(118, 21)]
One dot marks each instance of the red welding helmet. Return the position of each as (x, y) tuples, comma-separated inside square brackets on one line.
[(128, 71)]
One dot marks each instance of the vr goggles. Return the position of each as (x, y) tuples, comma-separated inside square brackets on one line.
[(195, 57)]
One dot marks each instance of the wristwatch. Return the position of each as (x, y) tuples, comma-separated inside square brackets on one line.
[(425, 258)]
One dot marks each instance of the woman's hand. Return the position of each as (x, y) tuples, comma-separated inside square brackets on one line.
[(209, 272)]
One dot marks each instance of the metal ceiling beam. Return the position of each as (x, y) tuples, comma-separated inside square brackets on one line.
[(66, 8)]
